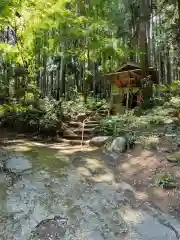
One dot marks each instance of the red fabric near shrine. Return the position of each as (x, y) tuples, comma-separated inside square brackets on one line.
[(139, 99)]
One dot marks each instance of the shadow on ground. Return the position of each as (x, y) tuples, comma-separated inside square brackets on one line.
[(113, 193)]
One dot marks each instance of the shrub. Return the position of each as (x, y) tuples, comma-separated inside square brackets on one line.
[(94, 104), (110, 125), (165, 181), (73, 107), (45, 118)]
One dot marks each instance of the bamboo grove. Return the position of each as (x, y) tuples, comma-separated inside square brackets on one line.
[(60, 47)]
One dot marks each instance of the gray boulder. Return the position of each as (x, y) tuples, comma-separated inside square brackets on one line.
[(174, 157), (51, 228), (119, 144), (98, 141), (18, 164), (95, 236), (1, 165)]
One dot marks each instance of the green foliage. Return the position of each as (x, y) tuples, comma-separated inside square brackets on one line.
[(91, 39), (30, 119), (178, 164), (43, 115), (50, 121), (165, 181), (130, 122), (77, 105), (110, 124), (94, 104), (18, 118), (164, 113)]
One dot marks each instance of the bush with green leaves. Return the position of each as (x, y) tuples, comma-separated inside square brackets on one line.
[(17, 117), (162, 117), (95, 103), (129, 122), (45, 118), (50, 121), (165, 181), (73, 107), (110, 125)]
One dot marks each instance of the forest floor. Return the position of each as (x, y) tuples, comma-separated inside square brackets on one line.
[(140, 168), (104, 196)]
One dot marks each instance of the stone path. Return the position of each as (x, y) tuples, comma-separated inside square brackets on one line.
[(95, 205)]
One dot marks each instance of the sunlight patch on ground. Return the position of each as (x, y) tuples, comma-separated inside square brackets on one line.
[(93, 163), (15, 141), (21, 148), (35, 144), (60, 155), (108, 177), (21, 145), (84, 171), (150, 141), (131, 216), (18, 148), (141, 195), (66, 148), (145, 160)]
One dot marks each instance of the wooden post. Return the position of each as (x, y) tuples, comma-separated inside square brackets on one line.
[(131, 98), (127, 100)]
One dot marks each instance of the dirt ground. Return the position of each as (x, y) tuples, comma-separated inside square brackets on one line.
[(140, 168)]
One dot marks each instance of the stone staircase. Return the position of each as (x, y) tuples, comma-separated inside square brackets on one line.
[(80, 132)]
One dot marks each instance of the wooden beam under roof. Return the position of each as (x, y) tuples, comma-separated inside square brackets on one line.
[(124, 72), (130, 64)]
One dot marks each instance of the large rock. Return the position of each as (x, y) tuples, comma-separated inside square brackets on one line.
[(95, 236), (51, 229), (17, 164), (174, 157), (119, 144), (98, 141), (1, 165)]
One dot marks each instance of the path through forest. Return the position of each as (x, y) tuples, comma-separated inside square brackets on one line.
[(58, 191)]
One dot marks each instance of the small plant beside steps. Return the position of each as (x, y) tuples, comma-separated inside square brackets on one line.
[(165, 181)]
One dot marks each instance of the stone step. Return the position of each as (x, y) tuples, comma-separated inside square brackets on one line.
[(77, 137), (98, 118), (103, 111), (73, 142), (74, 124), (91, 122), (90, 126), (86, 130), (79, 125), (102, 114)]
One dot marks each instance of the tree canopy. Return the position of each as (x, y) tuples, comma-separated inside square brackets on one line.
[(66, 44)]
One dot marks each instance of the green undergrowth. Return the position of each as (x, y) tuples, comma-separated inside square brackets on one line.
[(166, 181), (44, 116), (149, 120), (76, 106), (161, 115), (38, 118)]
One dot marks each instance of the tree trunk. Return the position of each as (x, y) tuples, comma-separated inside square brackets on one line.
[(61, 77)]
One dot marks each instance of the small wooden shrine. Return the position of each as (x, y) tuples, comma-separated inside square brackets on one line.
[(127, 86)]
